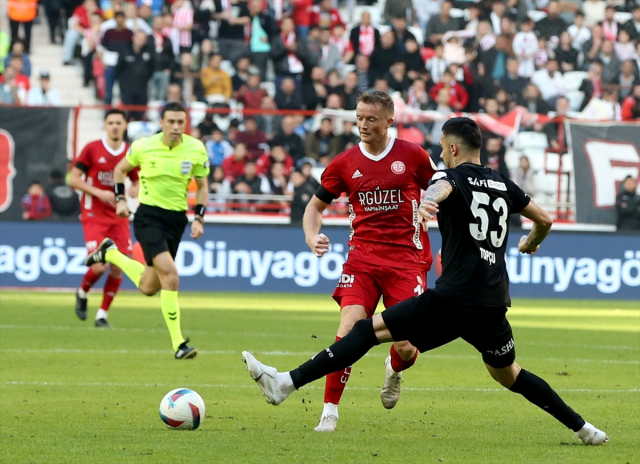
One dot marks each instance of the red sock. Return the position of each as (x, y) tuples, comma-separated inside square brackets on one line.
[(397, 363), (111, 287), (334, 386), (89, 279)]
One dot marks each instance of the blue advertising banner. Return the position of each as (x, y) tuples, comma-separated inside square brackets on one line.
[(276, 259)]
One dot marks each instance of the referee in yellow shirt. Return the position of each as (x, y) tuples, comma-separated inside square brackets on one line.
[(167, 163)]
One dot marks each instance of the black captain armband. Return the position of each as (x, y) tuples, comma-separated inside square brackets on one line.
[(200, 210), (325, 195), (118, 188)]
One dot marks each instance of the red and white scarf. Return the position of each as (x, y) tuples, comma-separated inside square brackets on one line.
[(610, 30), (295, 65), (366, 40)]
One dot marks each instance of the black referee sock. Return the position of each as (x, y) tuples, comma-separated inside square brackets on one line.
[(540, 393), (341, 354)]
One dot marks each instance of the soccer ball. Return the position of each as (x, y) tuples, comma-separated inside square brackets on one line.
[(182, 409)]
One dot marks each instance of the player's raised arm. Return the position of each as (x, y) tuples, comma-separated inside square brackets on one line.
[(436, 193), (542, 222), (311, 223)]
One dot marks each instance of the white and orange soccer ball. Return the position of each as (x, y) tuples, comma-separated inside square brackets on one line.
[(182, 409)]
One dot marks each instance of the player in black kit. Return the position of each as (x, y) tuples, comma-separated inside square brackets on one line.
[(471, 297)]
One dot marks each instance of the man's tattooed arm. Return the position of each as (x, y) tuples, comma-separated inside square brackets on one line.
[(438, 192)]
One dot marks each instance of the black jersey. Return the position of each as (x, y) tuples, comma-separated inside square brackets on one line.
[(473, 222)]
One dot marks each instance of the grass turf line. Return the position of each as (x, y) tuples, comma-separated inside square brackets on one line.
[(73, 393)]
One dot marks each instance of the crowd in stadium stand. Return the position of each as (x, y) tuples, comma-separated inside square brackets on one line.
[(576, 57)]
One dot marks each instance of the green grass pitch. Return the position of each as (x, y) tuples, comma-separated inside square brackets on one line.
[(72, 393)]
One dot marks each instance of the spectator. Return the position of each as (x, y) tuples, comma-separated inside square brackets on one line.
[(628, 206), (402, 34), (624, 48), (218, 183), (207, 126), (458, 96), (163, 60), (218, 149), (504, 102), (498, 13), (486, 47), (214, 80), (325, 15), (592, 47), (441, 105), (593, 12), (331, 57), (90, 43), (287, 96), (267, 121), (44, 95), (453, 49), (605, 108), (22, 12), (21, 81), (233, 16), (64, 200), (578, 31), (35, 204), (253, 138), (135, 68), (550, 82), (552, 25), (303, 190), (441, 24), (183, 22), (10, 92), (413, 59), (399, 8), (174, 94), (17, 49), (348, 139), (251, 94), (203, 55), (436, 65), (533, 101), (350, 91), (334, 84), (524, 177), (364, 37), (610, 26), (234, 165), (542, 54), (5, 45), (631, 105), (364, 73), (250, 182), (340, 40), (314, 92), (636, 60), (474, 18), (611, 63), (278, 181), (502, 53), (398, 79), (241, 76), (52, 10), (627, 79), (301, 16), (276, 155), (382, 57), (417, 96), (114, 41), (493, 156), (555, 130), (322, 145), (132, 21), (77, 24), (592, 84), (263, 30), (633, 25), (511, 82), (289, 140), (566, 55), (289, 63)]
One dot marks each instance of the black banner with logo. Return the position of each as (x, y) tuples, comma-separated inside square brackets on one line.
[(33, 142), (603, 155)]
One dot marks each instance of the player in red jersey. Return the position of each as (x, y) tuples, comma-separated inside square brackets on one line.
[(99, 218), (389, 250)]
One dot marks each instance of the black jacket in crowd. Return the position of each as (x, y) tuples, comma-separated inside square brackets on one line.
[(628, 209), (134, 69), (163, 57), (301, 197)]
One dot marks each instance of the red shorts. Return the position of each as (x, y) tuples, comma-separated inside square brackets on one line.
[(119, 232), (363, 284)]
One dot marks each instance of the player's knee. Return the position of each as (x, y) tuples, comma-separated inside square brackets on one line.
[(405, 349), (170, 281), (99, 268), (148, 290), (115, 272)]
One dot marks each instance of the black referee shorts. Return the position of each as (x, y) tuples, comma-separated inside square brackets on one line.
[(158, 230), (432, 320)]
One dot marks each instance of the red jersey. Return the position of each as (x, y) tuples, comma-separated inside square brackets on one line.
[(97, 161), (384, 197)]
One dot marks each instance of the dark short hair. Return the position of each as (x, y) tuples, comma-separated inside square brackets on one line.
[(172, 106), (580, 13), (465, 130), (377, 97), (115, 111), (118, 13)]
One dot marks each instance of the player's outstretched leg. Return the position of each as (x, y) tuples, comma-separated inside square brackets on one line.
[(111, 287), (107, 252), (277, 386), (540, 393), (82, 294), (393, 367)]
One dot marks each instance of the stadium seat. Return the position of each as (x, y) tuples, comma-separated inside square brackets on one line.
[(270, 87), (197, 112), (575, 98), (227, 67), (536, 15), (456, 13), (530, 140), (622, 17), (139, 129), (536, 158), (417, 32), (216, 98), (153, 113), (347, 68), (222, 122), (573, 80), (383, 28)]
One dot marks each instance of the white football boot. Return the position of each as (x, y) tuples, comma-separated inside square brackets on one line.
[(265, 377), (589, 435), (390, 393), (329, 418)]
